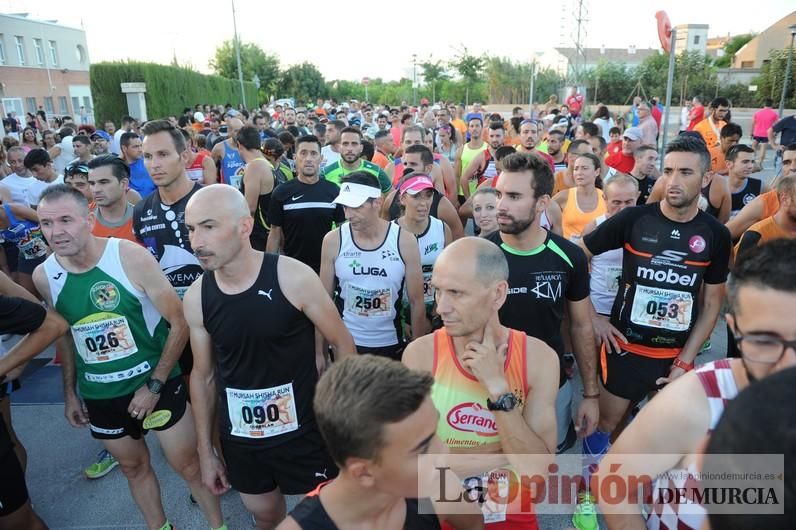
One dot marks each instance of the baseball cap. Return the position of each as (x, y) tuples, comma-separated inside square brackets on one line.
[(232, 113), (416, 184), (354, 195), (633, 133), (102, 134)]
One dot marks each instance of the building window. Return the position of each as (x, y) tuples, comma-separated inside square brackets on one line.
[(53, 53), (20, 50), (49, 106), (39, 51), (81, 54), (696, 39), (63, 107), (2, 50), (31, 102), (747, 64)]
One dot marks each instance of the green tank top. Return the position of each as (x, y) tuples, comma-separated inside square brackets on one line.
[(335, 173), (468, 154), (117, 331)]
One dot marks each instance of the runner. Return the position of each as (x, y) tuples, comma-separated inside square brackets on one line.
[(21, 234), (132, 154), (469, 150), (413, 135), (555, 148), (624, 161), (529, 137), (108, 178), (676, 422), (101, 141), (482, 166), (482, 368), (672, 252), (127, 333), (256, 184), (81, 145), (729, 136), (159, 219), (484, 202), (390, 422), (565, 178), (40, 165), (263, 377), (20, 314), (743, 188), (418, 160), (76, 176), (433, 235), (781, 225), (710, 127), (385, 148), (548, 276), (645, 169), (302, 210), (227, 157), (331, 151), (767, 203), (350, 146), (583, 203), (273, 151), (370, 262), (200, 167)]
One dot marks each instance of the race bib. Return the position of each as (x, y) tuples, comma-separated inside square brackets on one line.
[(236, 178), (613, 276), (33, 247), (103, 337), (491, 492), (428, 290), (654, 307), (368, 302), (262, 413)]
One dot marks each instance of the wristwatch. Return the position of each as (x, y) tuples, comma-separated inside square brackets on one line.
[(155, 385), (505, 402)]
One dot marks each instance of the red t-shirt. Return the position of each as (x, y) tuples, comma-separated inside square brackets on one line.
[(621, 162), (614, 148), (699, 115), (575, 103), (656, 115)]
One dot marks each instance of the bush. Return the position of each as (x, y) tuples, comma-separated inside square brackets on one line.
[(169, 89)]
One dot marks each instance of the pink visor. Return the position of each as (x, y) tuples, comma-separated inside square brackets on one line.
[(415, 185)]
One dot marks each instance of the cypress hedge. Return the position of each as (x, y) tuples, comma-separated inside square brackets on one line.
[(169, 89)]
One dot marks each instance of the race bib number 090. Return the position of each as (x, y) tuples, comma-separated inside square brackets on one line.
[(103, 337), (262, 413), (368, 302), (662, 308)]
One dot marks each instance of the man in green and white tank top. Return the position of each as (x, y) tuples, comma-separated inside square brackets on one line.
[(468, 151), (128, 332)]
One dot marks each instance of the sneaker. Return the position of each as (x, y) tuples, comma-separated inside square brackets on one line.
[(104, 464), (585, 516)]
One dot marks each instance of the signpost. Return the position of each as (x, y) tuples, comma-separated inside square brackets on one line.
[(667, 36)]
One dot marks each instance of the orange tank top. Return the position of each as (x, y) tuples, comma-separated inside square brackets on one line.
[(770, 203), (574, 220), (460, 398), (123, 230)]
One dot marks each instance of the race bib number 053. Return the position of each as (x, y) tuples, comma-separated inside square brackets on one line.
[(368, 302), (262, 413), (662, 308), (103, 337)]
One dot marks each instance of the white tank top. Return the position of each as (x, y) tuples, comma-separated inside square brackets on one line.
[(431, 242), (606, 276), (371, 287)]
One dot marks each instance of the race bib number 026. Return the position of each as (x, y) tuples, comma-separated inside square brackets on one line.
[(368, 302), (103, 337), (662, 308), (262, 413)]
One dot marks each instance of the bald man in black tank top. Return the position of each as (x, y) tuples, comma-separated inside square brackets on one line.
[(252, 317)]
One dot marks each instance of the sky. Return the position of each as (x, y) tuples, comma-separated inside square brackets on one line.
[(355, 38)]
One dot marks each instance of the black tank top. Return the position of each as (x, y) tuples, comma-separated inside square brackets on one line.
[(261, 228), (311, 515), (395, 205), (265, 353), (746, 195), (711, 210)]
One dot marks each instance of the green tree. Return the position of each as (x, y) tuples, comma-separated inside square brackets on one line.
[(304, 82), (253, 61), (433, 72), (470, 67), (772, 76), (731, 48)]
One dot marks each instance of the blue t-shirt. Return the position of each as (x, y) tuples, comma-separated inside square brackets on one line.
[(140, 180)]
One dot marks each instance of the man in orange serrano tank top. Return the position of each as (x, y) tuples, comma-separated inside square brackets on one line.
[(494, 387), (108, 179)]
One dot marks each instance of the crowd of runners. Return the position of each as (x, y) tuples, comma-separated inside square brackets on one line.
[(288, 297)]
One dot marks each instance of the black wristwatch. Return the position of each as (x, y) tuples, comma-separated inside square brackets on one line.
[(505, 402), (155, 385)]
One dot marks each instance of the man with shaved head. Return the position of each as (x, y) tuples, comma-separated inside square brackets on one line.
[(486, 370), (252, 319), (127, 334), (227, 157)]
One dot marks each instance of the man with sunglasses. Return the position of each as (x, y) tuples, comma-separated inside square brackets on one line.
[(674, 425)]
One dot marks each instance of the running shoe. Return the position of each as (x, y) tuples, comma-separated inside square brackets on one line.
[(585, 516), (104, 464)]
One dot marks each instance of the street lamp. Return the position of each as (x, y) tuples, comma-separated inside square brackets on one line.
[(792, 29)]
